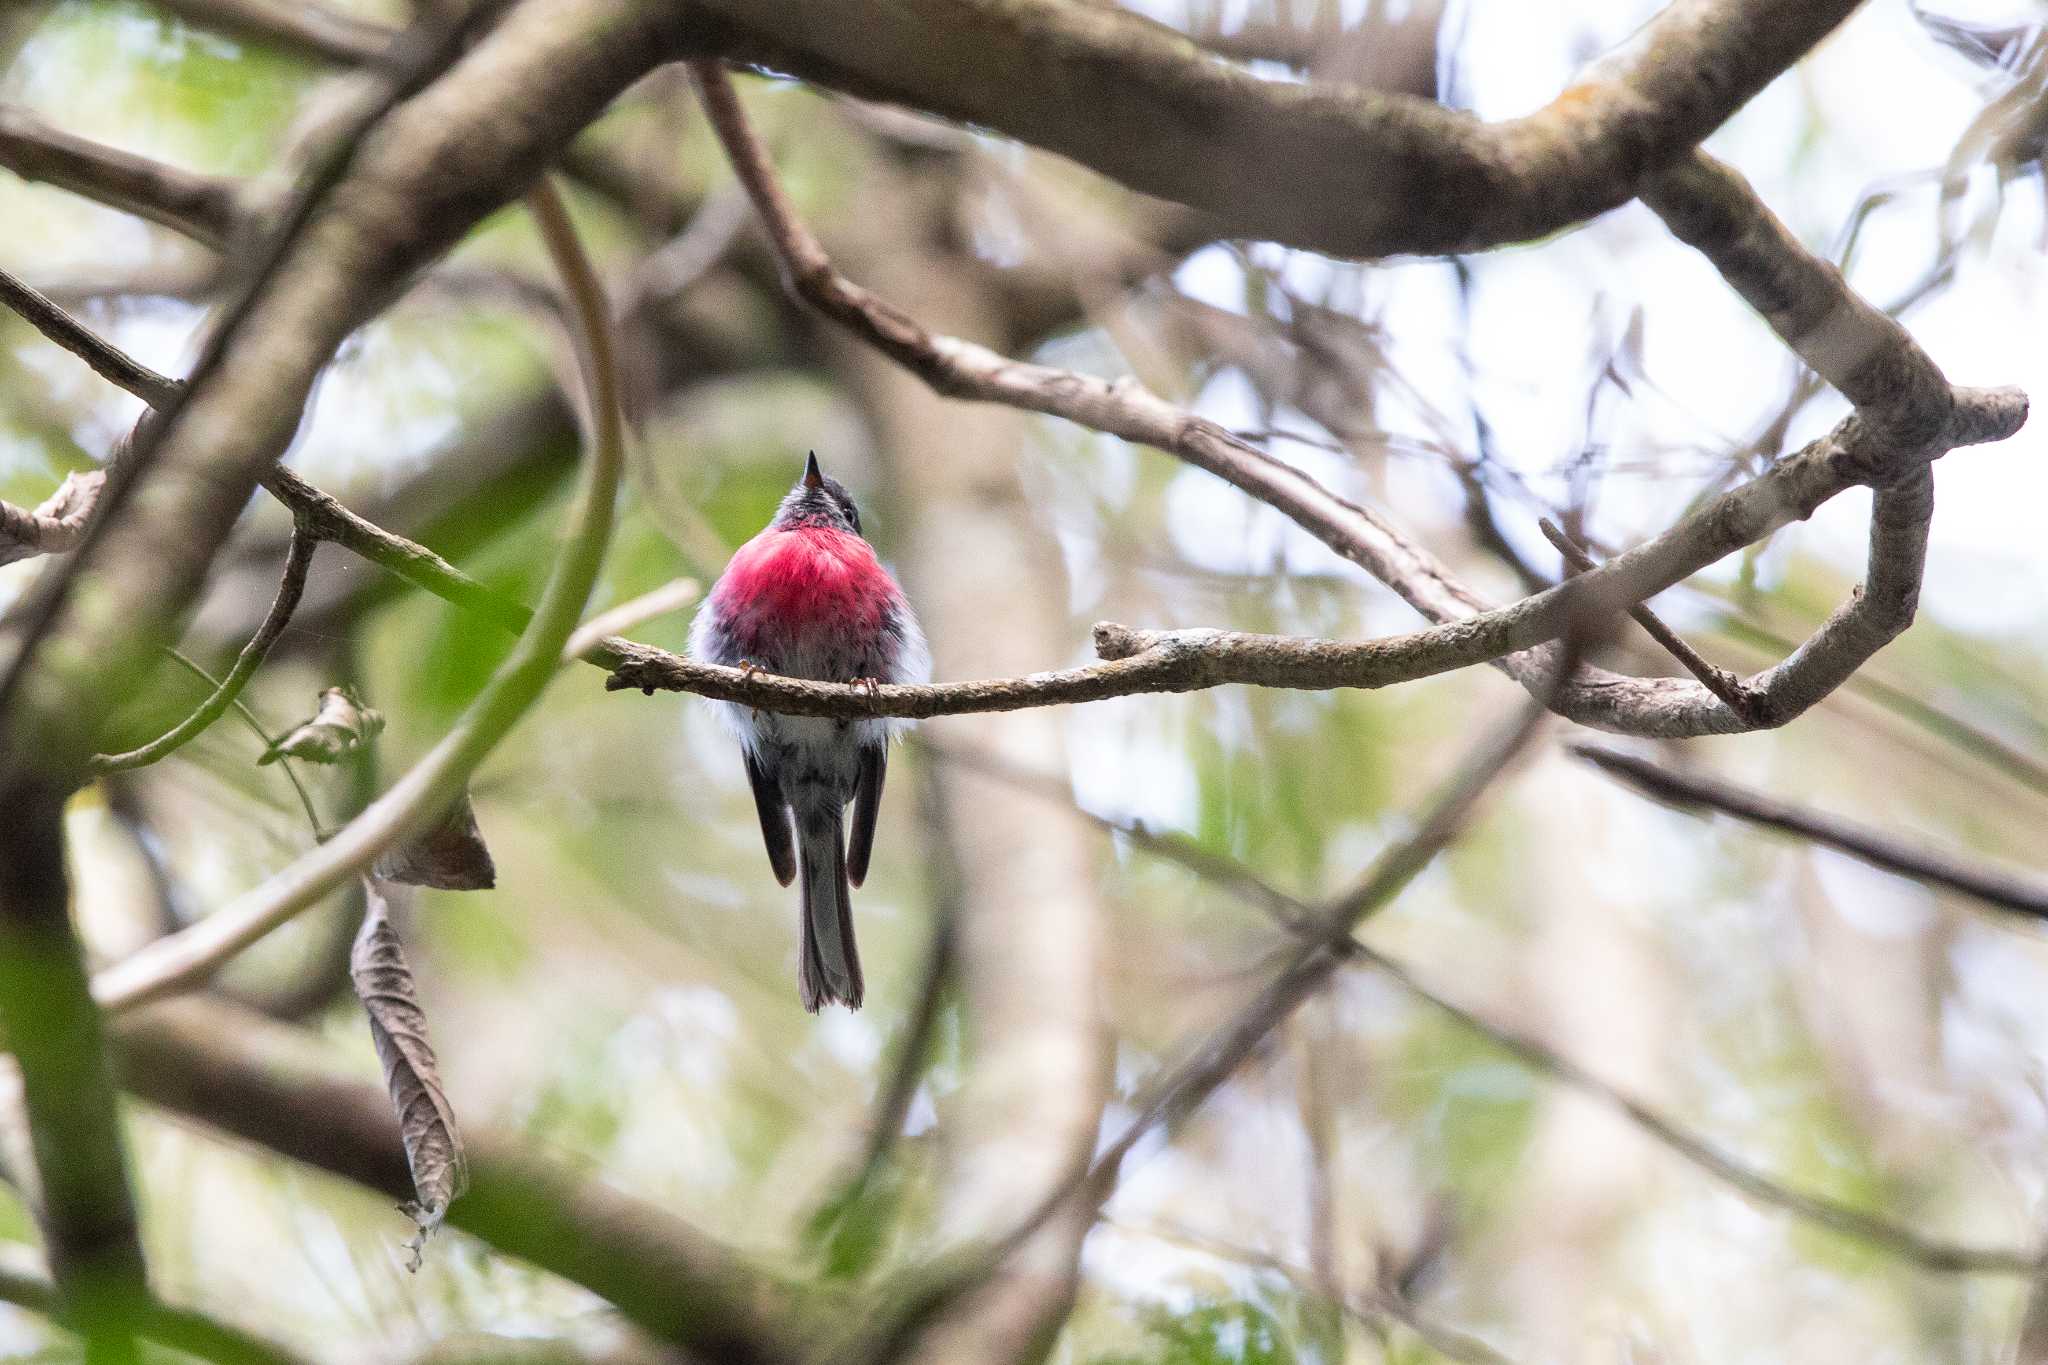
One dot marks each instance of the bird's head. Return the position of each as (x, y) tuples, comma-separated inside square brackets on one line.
[(817, 501)]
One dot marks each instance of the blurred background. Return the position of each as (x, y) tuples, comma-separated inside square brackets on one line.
[(624, 997)]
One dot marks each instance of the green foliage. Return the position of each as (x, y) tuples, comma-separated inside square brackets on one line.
[(1473, 1106), (1232, 1332), (206, 101), (850, 1230), (1279, 773)]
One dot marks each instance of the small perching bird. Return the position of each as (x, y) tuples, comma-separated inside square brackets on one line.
[(807, 598)]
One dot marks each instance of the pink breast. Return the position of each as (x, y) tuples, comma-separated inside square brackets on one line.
[(808, 578)]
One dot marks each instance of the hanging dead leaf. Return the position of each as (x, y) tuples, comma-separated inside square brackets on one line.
[(398, 1026), (449, 856), (341, 726)]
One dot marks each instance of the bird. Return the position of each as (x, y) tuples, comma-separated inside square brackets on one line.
[(807, 598)]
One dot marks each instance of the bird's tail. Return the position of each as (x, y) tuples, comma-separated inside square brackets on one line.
[(829, 969)]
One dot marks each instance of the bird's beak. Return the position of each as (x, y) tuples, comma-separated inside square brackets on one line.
[(813, 478)]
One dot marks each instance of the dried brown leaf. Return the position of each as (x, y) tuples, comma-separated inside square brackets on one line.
[(56, 525), (449, 856), (340, 727), (398, 1026)]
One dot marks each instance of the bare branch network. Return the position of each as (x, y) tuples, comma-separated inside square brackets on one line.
[(503, 96), (1908, 417)]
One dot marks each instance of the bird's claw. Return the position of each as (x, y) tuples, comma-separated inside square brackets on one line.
[(873, 687)]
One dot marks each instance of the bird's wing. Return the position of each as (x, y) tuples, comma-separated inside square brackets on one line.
[(867, 804), (774, 821)]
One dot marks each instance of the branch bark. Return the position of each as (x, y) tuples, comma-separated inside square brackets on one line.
[(203, 207), (49, 1022), (1343, 170), (1699, 793), (424, 794)]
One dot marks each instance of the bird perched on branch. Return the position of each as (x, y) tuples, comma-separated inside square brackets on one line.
[(808, 599)]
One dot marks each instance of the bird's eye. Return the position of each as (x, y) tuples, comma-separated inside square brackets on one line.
[(852, 516)]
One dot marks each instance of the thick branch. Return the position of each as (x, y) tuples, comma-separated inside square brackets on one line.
[(505, 107), (203, 207), (182, 959), (49, 1022), (1698, 793), (237, 1072), (1344, 170)]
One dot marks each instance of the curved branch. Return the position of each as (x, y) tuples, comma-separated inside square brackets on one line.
[(180, 960), (1344, 170), (1857, 452), (55, 525), (291, 586)]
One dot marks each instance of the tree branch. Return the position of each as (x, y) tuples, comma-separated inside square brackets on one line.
[(237, 1072), (1723, 684), (1855, 453), (298, 559), (203, 207), (1298, 917), (1343, 170), (180, 960), (1698, 793), (48, 1021), (55, 525), (109, 363)]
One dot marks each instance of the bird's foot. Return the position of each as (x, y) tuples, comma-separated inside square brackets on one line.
[(873, 687)]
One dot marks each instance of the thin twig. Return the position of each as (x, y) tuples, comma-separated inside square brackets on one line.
[(415, 59), (1698, 793), (285, 762), (1296, 915), (291, 586), (110, 363), (1182, 1088), (1857, 452), (1722, 683), (180, 960), (665, 600)]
